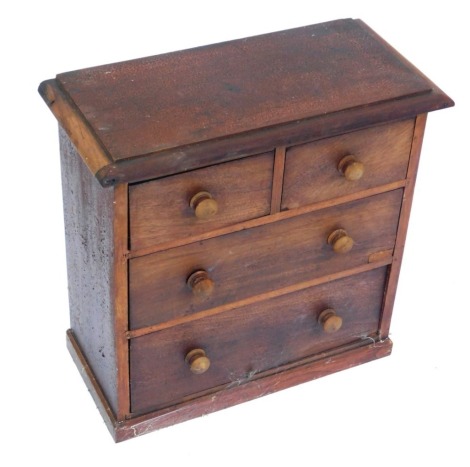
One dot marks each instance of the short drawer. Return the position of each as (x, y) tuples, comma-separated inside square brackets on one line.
[(345, 164), (242, 343), (194, 202), (257, 260)]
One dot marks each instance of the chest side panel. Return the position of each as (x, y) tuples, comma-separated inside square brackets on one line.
[(88, 216)]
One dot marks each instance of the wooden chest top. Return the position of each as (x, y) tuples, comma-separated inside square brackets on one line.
[(174, 112)]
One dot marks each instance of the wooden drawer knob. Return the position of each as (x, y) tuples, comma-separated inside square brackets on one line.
[(197, 361), (351, 168), (201, 284), (330, 321), (204, 205), (340, 241)]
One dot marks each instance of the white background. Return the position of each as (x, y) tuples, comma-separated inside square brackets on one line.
[(409, 409)]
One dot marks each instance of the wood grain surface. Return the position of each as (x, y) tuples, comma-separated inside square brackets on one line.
[(175, 315), (257, 260), (403, 224), (160, 210), (237, 86), (278, 179), (240, 97), (311, 171), (261, 297), (90, 149), (120, 291), (250, 340), (311, 368), (276, 217)]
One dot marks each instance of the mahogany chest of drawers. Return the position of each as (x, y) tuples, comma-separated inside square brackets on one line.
[(235, 216)]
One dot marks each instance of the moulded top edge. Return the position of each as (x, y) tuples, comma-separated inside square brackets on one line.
[(135, 110)]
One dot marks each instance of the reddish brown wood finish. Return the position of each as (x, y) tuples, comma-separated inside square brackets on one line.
[(257, 260), (89, 213), (92, 384), (121, 298), (268, 219), (261, 297), (226, 295), (248, 341), (236, 87), (94, 155), (279, 379), (403, 225), (259, 83), (312, 175), (278, 179), (283, 377), (160, 209)]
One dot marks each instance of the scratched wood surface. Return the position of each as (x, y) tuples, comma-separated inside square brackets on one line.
[(250, 340)]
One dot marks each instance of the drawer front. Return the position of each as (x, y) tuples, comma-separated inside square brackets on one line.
[(232, 192), (257, 260), (379, 156), (247, 341)]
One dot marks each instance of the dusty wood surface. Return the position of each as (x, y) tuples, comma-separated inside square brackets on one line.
[(89, 213), (91, 382)]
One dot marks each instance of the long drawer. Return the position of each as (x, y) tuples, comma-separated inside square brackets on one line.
[(257, 260), (244, 342)]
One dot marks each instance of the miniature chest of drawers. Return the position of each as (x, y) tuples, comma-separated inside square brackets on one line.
[(235, 216)]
